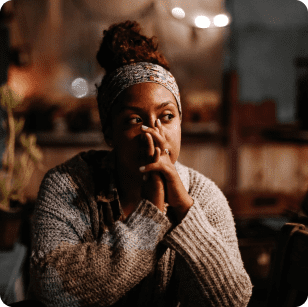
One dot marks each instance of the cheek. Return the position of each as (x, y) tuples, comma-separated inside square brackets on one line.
[(127, 139), (177, 129), (174, 140)]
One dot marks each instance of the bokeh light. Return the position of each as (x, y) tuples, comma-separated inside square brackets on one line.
[(202, 22), (178, 13), (221, 20), (80, 87)]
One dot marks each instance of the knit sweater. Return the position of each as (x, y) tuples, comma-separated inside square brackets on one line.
[(84, 253)]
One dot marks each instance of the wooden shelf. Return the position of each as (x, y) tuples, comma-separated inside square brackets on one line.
[(67, 139), (96, 138), (189, 137), (286, 133)]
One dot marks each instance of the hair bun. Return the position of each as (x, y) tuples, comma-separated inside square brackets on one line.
[(123, 44)]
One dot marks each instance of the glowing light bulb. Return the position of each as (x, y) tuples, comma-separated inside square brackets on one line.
[(221, 20), (80, 87), (202, 21), (178, 13)]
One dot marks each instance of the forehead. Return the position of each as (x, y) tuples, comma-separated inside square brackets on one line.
[(151, 93)]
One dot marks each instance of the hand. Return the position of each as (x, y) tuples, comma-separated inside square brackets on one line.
[(176, 194), (153, 186)]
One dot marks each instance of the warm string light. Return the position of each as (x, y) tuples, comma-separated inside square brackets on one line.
[(202, 21), (178, 13), (221, 20)]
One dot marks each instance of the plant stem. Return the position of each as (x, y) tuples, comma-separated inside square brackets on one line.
[(11, 147)]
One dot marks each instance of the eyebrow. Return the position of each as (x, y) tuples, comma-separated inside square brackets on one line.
[(161, 106)]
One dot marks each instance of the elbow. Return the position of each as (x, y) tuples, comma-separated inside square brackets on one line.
[(243, 292)]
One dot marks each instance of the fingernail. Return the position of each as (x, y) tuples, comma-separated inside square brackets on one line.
[(142, 168), (144, 177), (158, 121), (144, 127)]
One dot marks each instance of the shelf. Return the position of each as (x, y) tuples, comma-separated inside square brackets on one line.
[(203, 133), (288, 134), (189, 137), (69, 139), (283, 133), (96, 138)]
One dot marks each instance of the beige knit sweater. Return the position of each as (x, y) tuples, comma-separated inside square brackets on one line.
[(84, 253)]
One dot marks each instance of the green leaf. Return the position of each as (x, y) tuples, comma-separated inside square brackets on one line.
[(24, 140), (3, 100), (36, 154), (4, 193), (29, 142), (20, 165), (19, 125), (8, 98)]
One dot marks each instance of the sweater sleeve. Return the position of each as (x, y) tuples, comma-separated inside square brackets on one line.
[(209, 265), (68, 267)]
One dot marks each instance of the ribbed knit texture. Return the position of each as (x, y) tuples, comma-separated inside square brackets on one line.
[(80, 259)]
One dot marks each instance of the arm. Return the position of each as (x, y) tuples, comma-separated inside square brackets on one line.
[(210, 267), (70, 268)]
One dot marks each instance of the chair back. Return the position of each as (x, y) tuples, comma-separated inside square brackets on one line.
[(289, 284)]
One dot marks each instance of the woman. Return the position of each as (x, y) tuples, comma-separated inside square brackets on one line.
[(134, 227)]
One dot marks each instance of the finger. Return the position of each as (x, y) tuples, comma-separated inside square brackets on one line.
[(160, 127), (151, 147), (156, 128), (157, 137), (157, 154), (152, 167)]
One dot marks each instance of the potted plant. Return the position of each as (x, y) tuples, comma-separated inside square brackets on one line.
[(20, 158)]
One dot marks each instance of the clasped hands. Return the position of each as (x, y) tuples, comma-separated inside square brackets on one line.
[(162, 182)]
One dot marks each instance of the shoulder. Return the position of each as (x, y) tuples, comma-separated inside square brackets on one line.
[(204, 190), (73, 174), (196, 183), (210, 199)]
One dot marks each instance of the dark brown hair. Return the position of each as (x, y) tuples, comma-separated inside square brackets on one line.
[(124, 44)]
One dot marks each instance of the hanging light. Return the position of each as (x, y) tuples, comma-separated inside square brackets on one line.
[(178, 13), (221, 20), (202, 21), (198, 17)]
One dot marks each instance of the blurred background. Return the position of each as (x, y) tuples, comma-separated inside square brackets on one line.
[(242, 69)]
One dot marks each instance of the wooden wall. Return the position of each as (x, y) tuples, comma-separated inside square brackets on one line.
[(263, 169)]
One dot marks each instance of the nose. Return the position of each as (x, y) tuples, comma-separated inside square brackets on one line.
[(150, 122)]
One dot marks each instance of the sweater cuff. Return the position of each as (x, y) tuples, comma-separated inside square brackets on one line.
[(193, 229), (148, 211)]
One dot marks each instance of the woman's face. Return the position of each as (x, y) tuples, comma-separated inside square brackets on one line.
[(142, 104)]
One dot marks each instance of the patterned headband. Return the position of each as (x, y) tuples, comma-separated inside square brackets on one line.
[(129, 75)]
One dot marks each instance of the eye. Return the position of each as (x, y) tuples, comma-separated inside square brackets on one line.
[(168, 117), (135, 120)]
